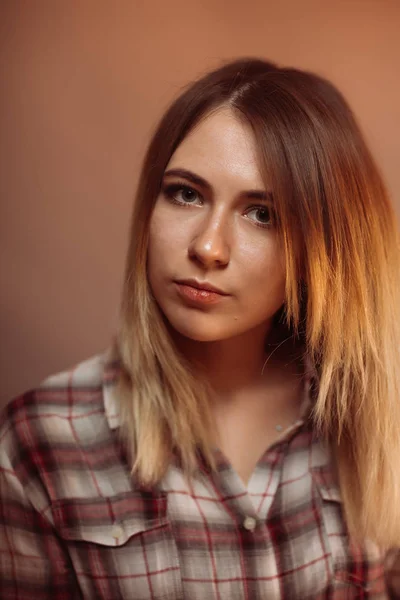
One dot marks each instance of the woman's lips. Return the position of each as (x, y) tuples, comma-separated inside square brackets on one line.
[(198, 296)]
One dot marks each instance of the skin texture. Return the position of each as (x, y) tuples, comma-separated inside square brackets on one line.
[(215, 233)]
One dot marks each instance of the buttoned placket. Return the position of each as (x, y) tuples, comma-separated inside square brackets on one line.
[(250, 505)]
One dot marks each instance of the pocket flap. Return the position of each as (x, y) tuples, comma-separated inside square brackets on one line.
[(109, 521)]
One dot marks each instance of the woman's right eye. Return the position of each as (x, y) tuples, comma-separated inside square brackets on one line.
[(182, 194)]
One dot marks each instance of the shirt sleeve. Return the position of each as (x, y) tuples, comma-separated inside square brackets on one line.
[(33, 562)]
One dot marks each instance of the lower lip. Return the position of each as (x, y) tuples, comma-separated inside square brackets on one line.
[(199, 297)]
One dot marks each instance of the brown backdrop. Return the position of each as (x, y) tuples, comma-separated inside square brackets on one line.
[(82, 84)]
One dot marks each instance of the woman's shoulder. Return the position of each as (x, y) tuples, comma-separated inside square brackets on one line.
[(63, 402), (58, 447)]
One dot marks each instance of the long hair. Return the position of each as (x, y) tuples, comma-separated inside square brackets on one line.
[(341, 245)]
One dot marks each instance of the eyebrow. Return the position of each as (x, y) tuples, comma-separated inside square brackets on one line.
[(197, 180)]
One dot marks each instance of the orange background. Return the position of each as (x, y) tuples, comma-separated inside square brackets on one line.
[(82, 84)]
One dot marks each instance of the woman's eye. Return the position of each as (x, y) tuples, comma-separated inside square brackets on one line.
[(262, 215), (182, 194), (188, 195)]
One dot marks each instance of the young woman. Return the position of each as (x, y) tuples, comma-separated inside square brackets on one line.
[(241, 438)]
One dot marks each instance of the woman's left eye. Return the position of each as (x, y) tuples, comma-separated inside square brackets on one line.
[(262, 215)]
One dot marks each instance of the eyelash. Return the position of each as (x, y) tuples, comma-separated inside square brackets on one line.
[(170, 191)]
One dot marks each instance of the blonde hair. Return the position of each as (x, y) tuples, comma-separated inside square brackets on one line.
[(343, 285)]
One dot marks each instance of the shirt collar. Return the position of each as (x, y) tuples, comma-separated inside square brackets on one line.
[(112, 368)]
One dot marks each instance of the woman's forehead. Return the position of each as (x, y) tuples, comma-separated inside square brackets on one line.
[(220, 147)]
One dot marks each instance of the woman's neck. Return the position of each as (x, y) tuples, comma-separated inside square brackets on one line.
[(244, 362)]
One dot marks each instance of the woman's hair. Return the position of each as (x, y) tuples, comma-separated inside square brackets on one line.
[(342, 293)]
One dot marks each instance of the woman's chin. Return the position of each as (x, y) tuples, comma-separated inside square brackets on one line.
[(200, 333), (199, 336)]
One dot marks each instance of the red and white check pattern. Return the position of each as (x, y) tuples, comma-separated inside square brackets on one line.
[(74, 524)]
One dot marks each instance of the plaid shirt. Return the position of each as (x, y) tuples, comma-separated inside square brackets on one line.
[(73, 523)]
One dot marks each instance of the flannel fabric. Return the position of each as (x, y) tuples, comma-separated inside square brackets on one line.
[(74, 524)]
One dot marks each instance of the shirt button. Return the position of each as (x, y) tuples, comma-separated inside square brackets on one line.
[(117, 532), (250, 523)]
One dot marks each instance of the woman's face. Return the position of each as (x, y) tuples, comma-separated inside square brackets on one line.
[(215, 261)]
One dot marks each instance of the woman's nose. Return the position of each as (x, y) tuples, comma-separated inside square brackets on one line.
[(210, 246)]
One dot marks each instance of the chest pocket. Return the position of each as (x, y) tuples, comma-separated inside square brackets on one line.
[(357, 572), (120, 547)]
